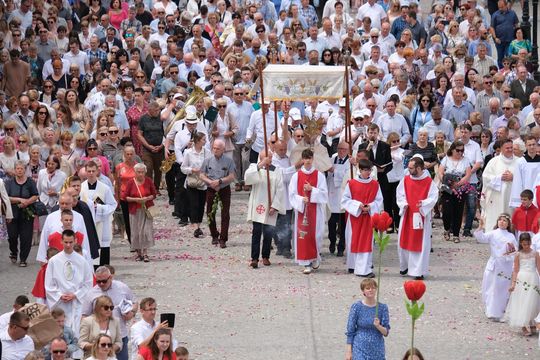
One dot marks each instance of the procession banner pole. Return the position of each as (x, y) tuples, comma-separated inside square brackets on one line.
[(348, 112), (260, 66)]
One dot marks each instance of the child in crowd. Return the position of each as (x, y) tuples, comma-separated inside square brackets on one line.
[(68, 335), (39, 286), (524, 300), (182, 353), (524, 216), (55, 239), (495, 282)]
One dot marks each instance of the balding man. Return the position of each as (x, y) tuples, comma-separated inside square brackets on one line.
[(218, 172), (53, 224), (534, 100), (188, 65), (197, 31), (507, 108), (522, 87)]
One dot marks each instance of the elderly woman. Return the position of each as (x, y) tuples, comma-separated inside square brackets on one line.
[(225, 127), (101, 321), (35, 164), (124, 173), (196, 189), (454, 174), (50, 181), (103, 348), (8, 157), (23, 193), (140, 193)]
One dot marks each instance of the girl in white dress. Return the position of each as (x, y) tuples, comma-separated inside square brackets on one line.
[(496, 280), (524, 301)]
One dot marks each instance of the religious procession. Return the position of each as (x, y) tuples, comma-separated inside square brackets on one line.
[(340, 127)]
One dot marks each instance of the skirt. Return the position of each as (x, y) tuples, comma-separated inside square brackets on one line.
[(142, 230)]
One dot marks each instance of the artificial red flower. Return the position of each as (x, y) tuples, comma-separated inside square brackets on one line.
[(414, 289), (381, 222)]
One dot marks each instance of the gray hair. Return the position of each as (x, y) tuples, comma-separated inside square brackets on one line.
[(423, 130), (139, 166), (102, 270), (20, 163)]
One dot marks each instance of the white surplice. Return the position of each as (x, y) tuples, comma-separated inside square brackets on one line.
[(417, 263), (319, 198), (360, 262), (53, 224), (258, 198), (102, 213), (496, 193), (495, 287), (335, 182), (68, 273), (527, 176)]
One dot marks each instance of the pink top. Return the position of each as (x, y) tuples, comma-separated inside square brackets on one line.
[(117, 18)]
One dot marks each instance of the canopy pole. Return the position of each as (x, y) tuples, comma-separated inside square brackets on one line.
[(260, 67), (348, 111)]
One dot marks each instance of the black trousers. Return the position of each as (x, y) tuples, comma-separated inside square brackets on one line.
[(181, 201), (266, 231), (20, 230), (452, 213), (170, 180), (253, 156), (125, 215), (197, 200), (386, 191), (336, 228), (395, 208), (104, 256)]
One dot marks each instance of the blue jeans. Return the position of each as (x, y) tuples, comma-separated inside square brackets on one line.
[(501, 51), (123, 354), (470, 200)]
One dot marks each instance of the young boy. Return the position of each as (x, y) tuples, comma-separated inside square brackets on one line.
[(524, 218), (39, 286), (55, 239), (308, 195), (182, 353), (59, 316)]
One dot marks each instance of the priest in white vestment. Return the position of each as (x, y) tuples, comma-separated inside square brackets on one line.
[(526, 177), (308, 195), (53, 224), (67, 281), (100, 199), (263, 212), (497, 185), (416, 195)]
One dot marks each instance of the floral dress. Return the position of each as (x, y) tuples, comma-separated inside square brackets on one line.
[(367, 342), (134, 115)]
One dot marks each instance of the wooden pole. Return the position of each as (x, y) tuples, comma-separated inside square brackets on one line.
[(276, 120), (260, 66), (348, 113)]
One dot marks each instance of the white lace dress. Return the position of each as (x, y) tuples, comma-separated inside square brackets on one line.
[(524, 303)]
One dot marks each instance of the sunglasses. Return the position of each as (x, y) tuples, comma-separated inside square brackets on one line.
[(239, 94), (105, 345), (108, 307), (58, 351), (299, 136), (506, 107), (161, 27), (228, 89), (488, 82), (173, 72), (260, 31), (103, 134), (93, 148), (460, 150), (10, 129), (140, 77), (22, 141), (113, 132), (43, 112), (222, 106)]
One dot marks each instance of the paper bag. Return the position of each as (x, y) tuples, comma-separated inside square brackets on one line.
[(43, 327), (418, 222)]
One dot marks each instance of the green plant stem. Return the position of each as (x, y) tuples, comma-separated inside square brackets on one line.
[(412, 339), (378, 282)]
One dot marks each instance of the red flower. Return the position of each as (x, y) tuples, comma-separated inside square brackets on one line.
[(414, 289), (381, 222)]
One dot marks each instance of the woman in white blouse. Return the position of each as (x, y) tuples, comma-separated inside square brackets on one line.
[(225, 127), (50, 181), (195, 188)]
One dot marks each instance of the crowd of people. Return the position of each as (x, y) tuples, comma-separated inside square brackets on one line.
[(109, 105)]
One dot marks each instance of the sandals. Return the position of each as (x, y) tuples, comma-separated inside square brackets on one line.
[(139, 258), (446, 235), (146, 258), (456, 240)]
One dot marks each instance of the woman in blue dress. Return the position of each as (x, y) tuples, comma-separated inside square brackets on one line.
[(364, 331)]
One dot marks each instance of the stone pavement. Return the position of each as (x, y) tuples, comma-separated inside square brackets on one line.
[(226, 310)]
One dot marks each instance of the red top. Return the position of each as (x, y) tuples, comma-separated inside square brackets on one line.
[(125, 173), (306, 240), (362, 230), (415, 191), (39, 286), (139, 191), (55, 240), (525, 219), (146, 353)]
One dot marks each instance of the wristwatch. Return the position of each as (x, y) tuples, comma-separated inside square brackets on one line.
[(220, 181)]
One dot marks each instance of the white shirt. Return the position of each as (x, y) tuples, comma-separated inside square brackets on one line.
[(4, 320), (396, 123), (15, 349), (473, 153), (81, 59), (375, 12), (255, 127), (138, 333)]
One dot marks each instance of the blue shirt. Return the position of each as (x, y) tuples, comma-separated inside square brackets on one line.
[(504, 23), (242, 114)]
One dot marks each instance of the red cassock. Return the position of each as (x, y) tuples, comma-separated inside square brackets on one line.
[(415, 191), (307, 241), (525, 219), (55, 240), (361, 228), (39, 286)]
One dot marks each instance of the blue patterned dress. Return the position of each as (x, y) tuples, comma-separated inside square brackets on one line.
[(367, 342)]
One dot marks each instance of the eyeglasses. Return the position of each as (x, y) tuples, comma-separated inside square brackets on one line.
[(506, 108), (22, 141), (58, 351), (173, 72), (108, 307), (25, 328), (43, 112), (113, 132), (105, 345), (222, 106), (460, 150), (139, 77), (488, 82)]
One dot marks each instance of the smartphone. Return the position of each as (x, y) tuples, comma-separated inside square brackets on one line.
[(169, 317)]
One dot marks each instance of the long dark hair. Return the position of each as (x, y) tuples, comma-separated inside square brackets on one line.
[(154, 348)]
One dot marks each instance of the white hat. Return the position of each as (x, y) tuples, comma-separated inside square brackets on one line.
[(342, 102), (357, 114), (295, 114), (267, 102), (191, 115), (365, 112), (179, 96)]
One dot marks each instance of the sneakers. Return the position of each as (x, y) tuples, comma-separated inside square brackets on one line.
[(307, 269)]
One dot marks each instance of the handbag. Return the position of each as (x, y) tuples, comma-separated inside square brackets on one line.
[(40, 209), (149, 212), (194, 181)]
